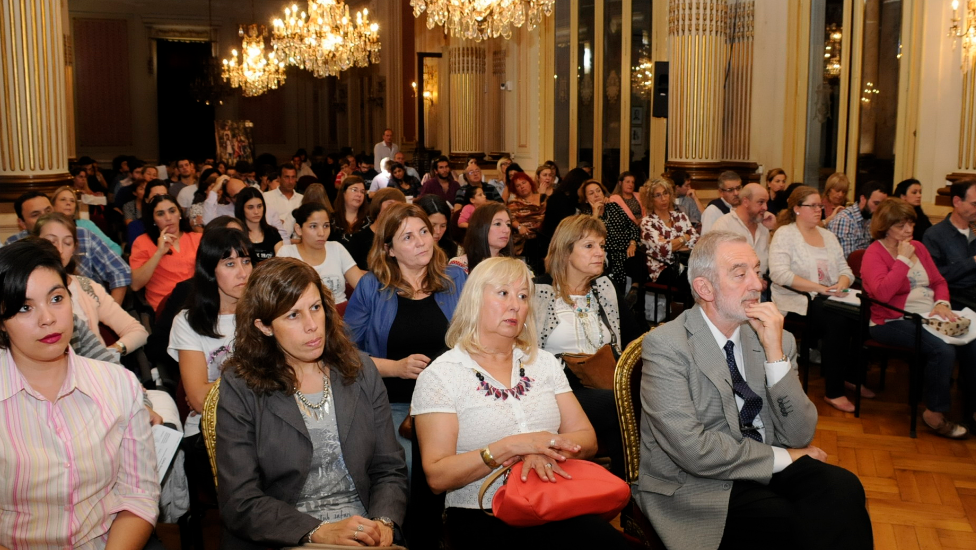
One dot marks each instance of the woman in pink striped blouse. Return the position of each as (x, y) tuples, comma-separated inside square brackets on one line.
[(77, 462)]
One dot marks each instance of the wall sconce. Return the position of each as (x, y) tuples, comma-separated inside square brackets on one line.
[(964, 27), (414, 86)]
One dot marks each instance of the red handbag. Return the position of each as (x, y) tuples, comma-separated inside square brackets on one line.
[(593, 490)]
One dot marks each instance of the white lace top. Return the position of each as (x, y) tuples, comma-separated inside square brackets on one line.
[(449, 385)]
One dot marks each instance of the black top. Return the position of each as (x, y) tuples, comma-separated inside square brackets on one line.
[(359, 245), (405, 339), (922, 223), (264, 250), (720, 204)]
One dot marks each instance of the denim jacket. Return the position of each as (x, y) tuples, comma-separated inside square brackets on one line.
[(371, 310)]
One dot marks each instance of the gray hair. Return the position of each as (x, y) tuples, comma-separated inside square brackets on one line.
[(704, 255), (728, 176)]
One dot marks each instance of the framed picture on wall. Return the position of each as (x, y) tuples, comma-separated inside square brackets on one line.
[(636, 116), (234, 141), (636, 136)]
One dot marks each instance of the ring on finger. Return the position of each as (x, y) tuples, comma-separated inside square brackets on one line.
[(355, 535), (360, 528), (549, 465), (552, 442)]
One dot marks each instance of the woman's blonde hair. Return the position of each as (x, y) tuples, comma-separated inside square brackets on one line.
[(788, 215), (569, 232), (464, 332), (62, 189), (837, 181), (387, 269), (69, 224), (646, 193)]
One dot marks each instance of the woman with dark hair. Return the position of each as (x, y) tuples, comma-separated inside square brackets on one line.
[(489, 236), (136, 228), (203, 334), (910, 191), (562, 204), (361, 242), (251, 210), (305, 449), (778, 194), (528, 209), (77, 461), (350, 210), (439, 214), (331, 260), (400, 179), (166, 254), (622, 235), (625, 195)]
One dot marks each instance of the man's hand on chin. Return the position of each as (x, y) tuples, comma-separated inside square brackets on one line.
[(767, 321)]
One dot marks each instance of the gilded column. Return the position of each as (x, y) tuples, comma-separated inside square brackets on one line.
[(738, 88), (33, 107), (468, 74), (697, 31)]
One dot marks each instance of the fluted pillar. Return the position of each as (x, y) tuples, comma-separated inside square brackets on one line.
[(697, 44), (33, 104), (468, 68)]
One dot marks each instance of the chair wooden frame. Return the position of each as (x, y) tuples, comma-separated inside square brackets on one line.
[(632, 520), (805, 339), (208, 426)]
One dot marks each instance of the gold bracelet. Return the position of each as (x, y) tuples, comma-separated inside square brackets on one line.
[(488, 458)]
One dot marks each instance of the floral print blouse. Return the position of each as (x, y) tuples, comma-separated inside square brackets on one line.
[(657, 237)]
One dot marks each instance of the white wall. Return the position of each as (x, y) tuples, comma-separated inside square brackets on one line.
[(769, 84)]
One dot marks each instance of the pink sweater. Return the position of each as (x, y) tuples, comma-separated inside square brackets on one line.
[(886, 279)]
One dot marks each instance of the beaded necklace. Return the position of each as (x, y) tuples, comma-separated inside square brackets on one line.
[(588, 324), (516, 391), (317, 410)]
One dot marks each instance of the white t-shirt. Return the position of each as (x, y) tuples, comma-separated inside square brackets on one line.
[(332, 270), (449, 385), (215, 351), (185, 198)]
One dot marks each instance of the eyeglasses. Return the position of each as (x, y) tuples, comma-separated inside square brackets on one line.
[(731, 189), (660, 195), (814, 206)]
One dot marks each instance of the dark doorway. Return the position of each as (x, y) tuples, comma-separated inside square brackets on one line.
[(186, 126)]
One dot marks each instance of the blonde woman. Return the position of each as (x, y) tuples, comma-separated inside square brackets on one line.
[(665, 231), (834, 196), (495, 398), (65, 201)]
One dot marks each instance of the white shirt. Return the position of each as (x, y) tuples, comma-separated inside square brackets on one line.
[(215, 352), (379, 182), (381, 151), (775, 372), (411, 171), (712, 214), (760, 243), (305, 170), (282, 205), (449, 385), (332, 271), (185, 198)]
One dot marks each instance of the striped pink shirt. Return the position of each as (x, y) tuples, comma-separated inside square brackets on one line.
[(68, 467)]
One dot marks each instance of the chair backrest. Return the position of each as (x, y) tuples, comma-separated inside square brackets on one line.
[(208, 426), (626, 392), (854, 261)]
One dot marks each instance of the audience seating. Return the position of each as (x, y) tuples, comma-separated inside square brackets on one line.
[(626, 389), (802, 329), (208, 425)]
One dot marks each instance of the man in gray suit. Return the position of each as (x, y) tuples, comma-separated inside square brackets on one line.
[(726, 460)]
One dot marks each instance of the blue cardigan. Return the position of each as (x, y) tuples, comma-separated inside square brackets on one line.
[(371, 311)]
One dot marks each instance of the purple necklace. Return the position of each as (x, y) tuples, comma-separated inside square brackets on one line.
[(516, 391)]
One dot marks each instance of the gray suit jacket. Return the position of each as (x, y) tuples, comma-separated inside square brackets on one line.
[(691, 445), (264, 453)]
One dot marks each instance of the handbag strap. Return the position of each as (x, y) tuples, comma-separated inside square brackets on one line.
[(603, 316), (492, 477)]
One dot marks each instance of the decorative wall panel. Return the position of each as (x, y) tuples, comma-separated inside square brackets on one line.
[(103, 109), (468, 68), (738, 81)]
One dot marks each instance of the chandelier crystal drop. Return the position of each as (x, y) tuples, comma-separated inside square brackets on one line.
[(482, 19), (326, 40), (256, 72)]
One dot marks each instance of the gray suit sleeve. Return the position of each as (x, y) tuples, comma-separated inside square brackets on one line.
[(794, 415), (687, 419)]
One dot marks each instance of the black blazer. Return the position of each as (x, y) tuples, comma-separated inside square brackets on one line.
[(264, 454)]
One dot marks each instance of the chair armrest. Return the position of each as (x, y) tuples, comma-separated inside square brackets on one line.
[(800, 292)]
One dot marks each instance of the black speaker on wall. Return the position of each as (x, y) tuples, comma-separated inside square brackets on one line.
[(659, 104)]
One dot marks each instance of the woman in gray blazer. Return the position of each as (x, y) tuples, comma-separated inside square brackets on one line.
[(305, 444)]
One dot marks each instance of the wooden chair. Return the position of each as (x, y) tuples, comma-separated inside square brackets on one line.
[(626, 391), (208, 426)]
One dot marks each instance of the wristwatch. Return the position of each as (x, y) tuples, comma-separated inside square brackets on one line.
[(119, 345), (385, 521)]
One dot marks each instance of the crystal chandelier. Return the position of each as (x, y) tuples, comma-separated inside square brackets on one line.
[(482, 19), (832, 45), (326, 40), (642, 74), (255, 73), (966, 31)]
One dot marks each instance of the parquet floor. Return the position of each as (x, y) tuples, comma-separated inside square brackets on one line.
[(921, 492)]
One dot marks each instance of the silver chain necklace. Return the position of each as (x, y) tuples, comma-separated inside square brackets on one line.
[(317, 410)]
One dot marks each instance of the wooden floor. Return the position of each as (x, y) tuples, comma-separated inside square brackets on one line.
[(921, 492)]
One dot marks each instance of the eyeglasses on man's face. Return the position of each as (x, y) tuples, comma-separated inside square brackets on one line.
[(731, 189)]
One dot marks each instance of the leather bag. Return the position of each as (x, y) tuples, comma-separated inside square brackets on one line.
[(594, 371), (592, 491)]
